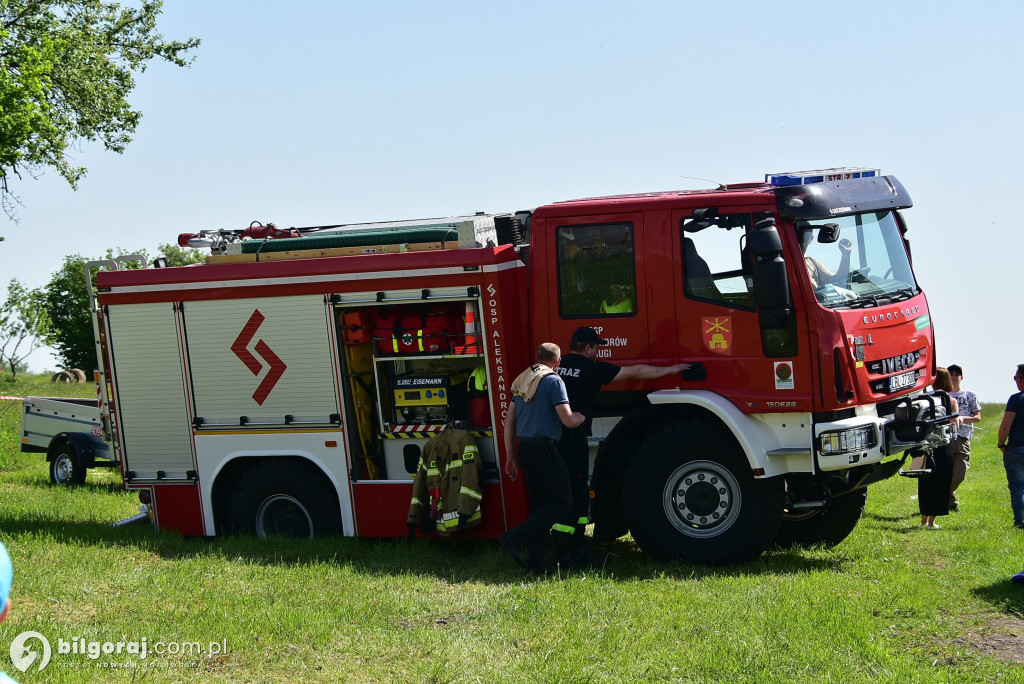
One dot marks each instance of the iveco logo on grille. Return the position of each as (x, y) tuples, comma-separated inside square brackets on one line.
[(895, 364)]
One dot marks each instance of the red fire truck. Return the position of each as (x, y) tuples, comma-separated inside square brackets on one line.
[(289, 384)]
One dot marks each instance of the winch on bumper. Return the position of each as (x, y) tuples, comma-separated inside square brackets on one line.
[(918, 422)]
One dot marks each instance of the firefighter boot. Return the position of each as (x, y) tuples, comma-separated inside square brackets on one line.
[(582, 557), (561, 549)]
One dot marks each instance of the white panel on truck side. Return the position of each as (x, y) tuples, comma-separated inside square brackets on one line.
[(149, 385), (262, 358)]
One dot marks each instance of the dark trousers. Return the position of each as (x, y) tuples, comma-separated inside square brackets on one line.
[(576, 453), (547, 485), (1013, 461), (961, 448), (933, 490)]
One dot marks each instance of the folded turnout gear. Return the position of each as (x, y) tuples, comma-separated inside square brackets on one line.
[(525, 385)]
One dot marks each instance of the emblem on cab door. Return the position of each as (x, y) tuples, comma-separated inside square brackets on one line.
[(241, 349), (717, 334)]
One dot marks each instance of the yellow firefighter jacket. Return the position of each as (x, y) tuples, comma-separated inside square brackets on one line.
[(447, 481)]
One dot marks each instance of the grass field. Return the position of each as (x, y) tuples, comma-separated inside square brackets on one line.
[(893, 603)]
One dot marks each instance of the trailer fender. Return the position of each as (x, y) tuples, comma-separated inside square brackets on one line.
[(70, 455), (79, 442)]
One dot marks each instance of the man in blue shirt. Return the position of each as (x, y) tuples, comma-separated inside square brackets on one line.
[(1011, 442), (539, 410)]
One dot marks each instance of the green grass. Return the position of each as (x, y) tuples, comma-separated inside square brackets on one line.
[(892, 603)]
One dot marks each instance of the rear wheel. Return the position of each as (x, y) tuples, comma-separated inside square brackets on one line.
[(67, 467), (690, 495), (827, 526), (284, 499)]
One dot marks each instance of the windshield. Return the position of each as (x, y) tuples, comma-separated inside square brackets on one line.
[(865, 266)]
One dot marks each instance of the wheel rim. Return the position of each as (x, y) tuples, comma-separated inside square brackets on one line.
[(62, 470), (283, 516), (702, 499)]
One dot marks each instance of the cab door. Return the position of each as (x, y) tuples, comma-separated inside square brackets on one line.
[(748, 358), (596, 278)]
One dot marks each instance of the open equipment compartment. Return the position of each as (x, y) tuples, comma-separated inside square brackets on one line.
[(406, 365)]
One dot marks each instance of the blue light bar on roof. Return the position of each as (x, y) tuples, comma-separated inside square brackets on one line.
[(819, 176)]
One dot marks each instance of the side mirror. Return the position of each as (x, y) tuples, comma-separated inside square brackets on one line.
[(771, 281), (828, 233), (764, 240)]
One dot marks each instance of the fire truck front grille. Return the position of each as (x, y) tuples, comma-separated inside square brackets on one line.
[(887, 409)]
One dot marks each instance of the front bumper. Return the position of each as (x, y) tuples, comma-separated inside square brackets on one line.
[(918, 422)]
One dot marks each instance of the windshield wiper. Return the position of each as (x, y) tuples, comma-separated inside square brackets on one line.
[(900, 295), (863, 302), (874, 300)]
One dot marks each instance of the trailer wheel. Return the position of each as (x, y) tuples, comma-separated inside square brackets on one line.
[(67, 467), (284, 499), (827, 526), (690, 495)]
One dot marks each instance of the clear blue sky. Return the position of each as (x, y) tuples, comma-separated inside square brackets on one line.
[(322, 112)]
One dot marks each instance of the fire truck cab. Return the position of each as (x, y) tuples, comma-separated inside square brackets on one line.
[(795, 302), (289, 384)]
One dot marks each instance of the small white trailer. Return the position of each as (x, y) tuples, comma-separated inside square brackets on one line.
[(70, 432)]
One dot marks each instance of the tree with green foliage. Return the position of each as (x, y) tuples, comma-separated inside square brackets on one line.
[(66, 70), (24, 324), (67, 302), (176, 256)]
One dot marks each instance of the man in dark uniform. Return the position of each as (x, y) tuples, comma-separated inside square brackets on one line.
[(584, 376)]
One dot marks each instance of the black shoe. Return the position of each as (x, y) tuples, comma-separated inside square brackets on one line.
[(1018, 525), (514, 549), (954, 508)]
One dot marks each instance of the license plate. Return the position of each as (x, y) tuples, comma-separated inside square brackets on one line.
[(902, 381)]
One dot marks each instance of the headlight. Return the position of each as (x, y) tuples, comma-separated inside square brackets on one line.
[(847, 441)]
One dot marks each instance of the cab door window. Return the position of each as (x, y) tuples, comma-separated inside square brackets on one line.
[(596, 270), (713, 266)]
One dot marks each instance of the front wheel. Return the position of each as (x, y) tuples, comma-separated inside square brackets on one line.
[(67, 467), (690, 495), (284, 499), (826, 526)]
